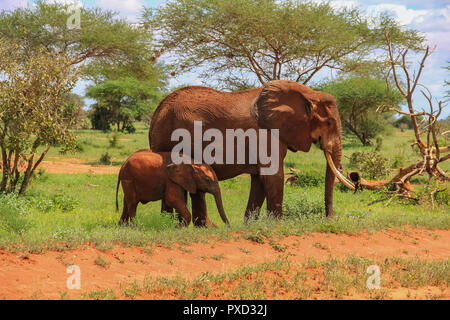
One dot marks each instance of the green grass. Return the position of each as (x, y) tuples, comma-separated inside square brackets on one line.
[(94, 143), (62, 211)]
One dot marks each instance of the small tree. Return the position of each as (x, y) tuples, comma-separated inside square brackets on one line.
[(358, 99), (122, 101), (34, 111)]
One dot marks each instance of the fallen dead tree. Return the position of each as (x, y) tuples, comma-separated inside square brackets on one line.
[(425, 131)]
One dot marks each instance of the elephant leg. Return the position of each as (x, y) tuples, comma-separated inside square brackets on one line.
[(199, 212), (130, 201), (124, 219), (132, 210), (184, 216), (274, 189), (165, 207), (255, 199), (175, 198)]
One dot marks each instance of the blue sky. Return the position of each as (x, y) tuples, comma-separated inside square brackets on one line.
[(432, 17)]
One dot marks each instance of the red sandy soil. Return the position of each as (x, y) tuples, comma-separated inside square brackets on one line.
[(69, 167), (73, 166), (23, 276)]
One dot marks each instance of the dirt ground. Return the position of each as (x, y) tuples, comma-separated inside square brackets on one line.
[(44, 276), (68, 166)]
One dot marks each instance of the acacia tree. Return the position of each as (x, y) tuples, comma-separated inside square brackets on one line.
[(264, 40), (124, 100), (358, 99), (102, 36), (125, 92), (34, 113)]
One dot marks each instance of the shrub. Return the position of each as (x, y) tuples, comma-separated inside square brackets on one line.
[(308, 179), (371, 164), (63, 202), (130, 128), (105, 158)]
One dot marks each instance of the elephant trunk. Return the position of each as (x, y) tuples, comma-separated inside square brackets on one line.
[(219, 204)]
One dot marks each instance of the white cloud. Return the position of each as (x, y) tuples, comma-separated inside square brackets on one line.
[(124, 6), (13, 4), (338, 4), (404, 15), (130, 9)]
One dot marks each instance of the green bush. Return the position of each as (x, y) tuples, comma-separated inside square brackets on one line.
[(370, 164), (308, 179), (63, 202), (105, 158), (130, 128)]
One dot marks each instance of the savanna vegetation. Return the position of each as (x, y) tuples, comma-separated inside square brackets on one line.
[(235, 45), (65, 210), (128, 81)]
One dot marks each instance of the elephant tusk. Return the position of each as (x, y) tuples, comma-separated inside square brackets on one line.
[(339, 175)]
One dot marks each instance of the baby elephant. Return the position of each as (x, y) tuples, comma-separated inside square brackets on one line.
[(148, 176)]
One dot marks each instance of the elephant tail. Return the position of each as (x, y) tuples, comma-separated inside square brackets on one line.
[(117, 192)]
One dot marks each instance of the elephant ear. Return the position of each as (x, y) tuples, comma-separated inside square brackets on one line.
[(289, 107), (183, 175)]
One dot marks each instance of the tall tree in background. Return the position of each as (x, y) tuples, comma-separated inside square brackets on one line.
[(122, 101), (358, 99), (106, 46), (266, 39), (125, 92)]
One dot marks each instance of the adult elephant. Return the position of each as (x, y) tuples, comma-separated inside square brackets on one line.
[(302, 116)]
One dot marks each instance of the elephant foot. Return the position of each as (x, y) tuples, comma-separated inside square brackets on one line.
[(204, 223)]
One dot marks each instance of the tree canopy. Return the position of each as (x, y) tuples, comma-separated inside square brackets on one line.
[(358, 99), (35, 110), (122, 101), (102, 34), (262, 40)]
